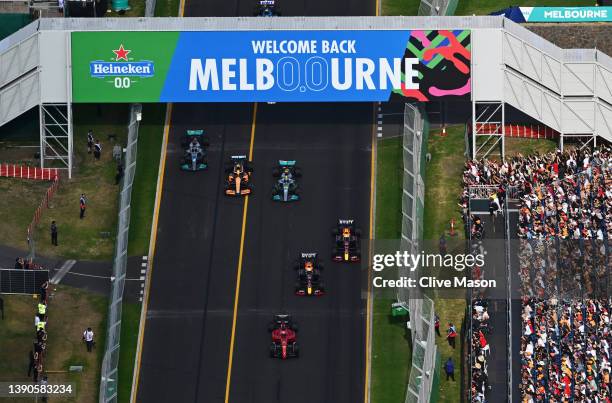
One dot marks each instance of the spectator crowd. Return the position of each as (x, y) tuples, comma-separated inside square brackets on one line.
[(564, 226)]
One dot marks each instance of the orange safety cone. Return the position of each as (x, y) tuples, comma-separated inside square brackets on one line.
[(452, 227)]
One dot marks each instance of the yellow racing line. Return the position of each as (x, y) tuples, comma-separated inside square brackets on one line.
[(239, 270)]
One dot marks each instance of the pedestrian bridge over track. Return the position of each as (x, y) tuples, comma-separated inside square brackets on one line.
[(569, 90)]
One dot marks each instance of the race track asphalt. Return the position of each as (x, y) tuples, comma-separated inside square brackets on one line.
[(189, 318)]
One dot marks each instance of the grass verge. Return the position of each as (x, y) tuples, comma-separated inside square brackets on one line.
[(150, 135), (166, 8), (442, 188), (70, 312), (391, 353), (91, 238), (400, 7), (130, 320)]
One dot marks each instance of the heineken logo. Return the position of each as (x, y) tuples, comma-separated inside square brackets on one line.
[(122, 68)]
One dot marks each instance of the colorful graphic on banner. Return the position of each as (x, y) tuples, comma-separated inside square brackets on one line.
[(567, 14), (258, 66)]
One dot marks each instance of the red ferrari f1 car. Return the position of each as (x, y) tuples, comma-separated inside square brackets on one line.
[(284, 344)]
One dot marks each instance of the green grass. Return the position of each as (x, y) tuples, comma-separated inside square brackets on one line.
[(70, 312), (442, 188), (150, 135), (130, 319), (391, 354), (400, 7), (166, 8), (484, 7)]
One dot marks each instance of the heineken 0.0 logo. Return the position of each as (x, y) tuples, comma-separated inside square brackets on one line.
[(122, 69)]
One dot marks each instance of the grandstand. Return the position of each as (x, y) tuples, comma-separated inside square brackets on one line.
[(560, 265)]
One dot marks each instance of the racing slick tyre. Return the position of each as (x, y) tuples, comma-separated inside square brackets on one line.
[(294, 326), (296, 349), (275, 172), (358, 232), (271, 326), (297, 172), (335, 231)]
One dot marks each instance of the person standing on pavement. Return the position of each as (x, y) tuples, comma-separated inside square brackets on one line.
[(82, 205), (449, 367), (53, 233), (88, 338)]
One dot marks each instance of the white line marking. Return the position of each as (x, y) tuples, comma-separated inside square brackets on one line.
[(143, 265), (68, 264)]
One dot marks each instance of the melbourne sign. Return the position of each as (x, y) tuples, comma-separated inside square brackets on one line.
[(253, 66), (567, 14)]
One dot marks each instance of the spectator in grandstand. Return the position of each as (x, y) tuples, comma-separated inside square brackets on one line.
[(451, 334), (90, 141), (88, 338), (97, 149), (53, 233), (82, 205), (449, 367)]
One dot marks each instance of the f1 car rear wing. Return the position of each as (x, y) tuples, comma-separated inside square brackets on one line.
[(306, 255), (346, 222), (266, 2), (238, 157), (286, 163), (195, 132)]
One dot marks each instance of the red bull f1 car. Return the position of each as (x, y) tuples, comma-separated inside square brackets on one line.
[(346, 242), (238, 179), (309, 281), (194, 145), (267, 8), (283, 330)]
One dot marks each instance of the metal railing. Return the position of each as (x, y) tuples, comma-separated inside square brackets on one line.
[(110, 362), (420, 307)]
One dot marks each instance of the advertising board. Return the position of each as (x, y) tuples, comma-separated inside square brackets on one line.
[(279, 66)]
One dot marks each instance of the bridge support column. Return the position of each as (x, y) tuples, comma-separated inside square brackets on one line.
[(488, 128), (56, 136)]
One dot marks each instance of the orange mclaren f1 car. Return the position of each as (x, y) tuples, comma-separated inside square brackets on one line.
[(238, 179)]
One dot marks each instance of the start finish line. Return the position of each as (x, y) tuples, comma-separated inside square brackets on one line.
[(260, 66)]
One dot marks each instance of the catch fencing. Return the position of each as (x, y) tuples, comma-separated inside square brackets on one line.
[(110, 362), (437, 8), (420, 307), (42, 174)]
